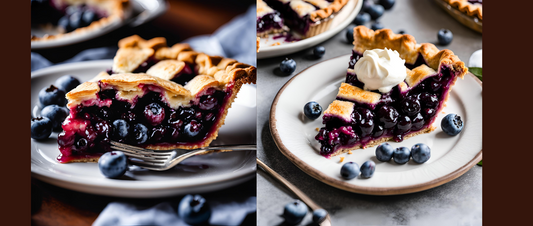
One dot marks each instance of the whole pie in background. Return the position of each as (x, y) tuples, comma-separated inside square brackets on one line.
[(154, 96)]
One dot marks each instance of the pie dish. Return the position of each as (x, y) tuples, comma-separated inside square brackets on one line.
[(472, 8), (304, 17), (361, 118), (154, 96), (62, 18)]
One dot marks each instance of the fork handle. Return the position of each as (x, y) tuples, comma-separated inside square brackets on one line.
[(243, 147)]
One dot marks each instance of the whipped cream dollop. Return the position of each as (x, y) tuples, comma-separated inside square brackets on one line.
[(380, 69)]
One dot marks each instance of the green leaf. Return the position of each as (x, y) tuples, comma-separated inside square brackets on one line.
[(480, 163), (477, 71)]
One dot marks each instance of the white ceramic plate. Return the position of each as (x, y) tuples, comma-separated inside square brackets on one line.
[(451, 156), (141, 12), (197, 174), (341, 21)]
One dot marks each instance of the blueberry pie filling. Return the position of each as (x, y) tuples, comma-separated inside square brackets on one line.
[(61, 17), (361, 118), (172, 104), (268, 20)]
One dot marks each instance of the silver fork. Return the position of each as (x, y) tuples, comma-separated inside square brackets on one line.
[(161, 160)]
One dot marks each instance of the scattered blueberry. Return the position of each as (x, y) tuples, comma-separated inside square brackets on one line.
[(67, 83), (194, 209), (349, 170), (140, 133), (295, 212), (41, 128), (52, 95), (319, 215), (401, 155), (376, 11), (362, 18), (420, 153), (113, 164), (401, 32), (444, 36), (287, 66), (387, 4), (349, 34), (319, 51), (452, 124), (366, 5), (376, 26), (56, 114), (120, 128), (368, 168), (384, 152), (312, 110)]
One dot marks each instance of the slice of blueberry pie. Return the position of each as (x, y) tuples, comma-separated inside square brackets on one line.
[(306, 17), (59, 18), (155, 96), (393, 90), (269, 21)]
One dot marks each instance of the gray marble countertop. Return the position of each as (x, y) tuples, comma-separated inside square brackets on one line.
[(458, 202)]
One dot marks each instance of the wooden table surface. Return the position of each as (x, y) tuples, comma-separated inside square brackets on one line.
[(183, 19)]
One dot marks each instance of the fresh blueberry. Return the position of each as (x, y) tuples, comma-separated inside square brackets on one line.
[(349, 170), (401, 32), (444, 36), (368, 168), (88, 16), (362, 18), (120, 128), (376, 26), (312, 110), (366, 5), (401, 155), (420, 153), (387, 4), (319, 215), (376, 11), (319, 51), (452, 124), (75, 21), (140, 133), (41, 128), (295, 212), (56, 114), (287, 66), (192, 128), (154, 113), (113, 164), (194, 209), (67, 83), (52, 95), (349, 34)]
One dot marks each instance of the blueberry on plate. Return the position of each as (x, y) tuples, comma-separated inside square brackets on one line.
[(376, 11), (67, 83), (368, 168), (384, 152), (121, 128), (52, 95), (319, 215), (287, 66), (401, 155), (56, 114), (444, 36), (312, 110), (295, 212), (376, 26), (420, 153), (113, 164), (319, 51), (349, 170), (193, 209), (362, 18), (366, 5), (387, 4), (349, 34), (452, 124), (41, 128)]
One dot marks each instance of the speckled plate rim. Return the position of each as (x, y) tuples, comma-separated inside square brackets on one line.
[(304, 166)]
